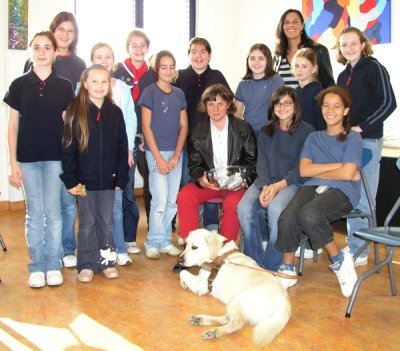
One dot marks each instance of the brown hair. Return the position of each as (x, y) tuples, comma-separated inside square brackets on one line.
[(66, 17), (211, 94), (49, 35), (367, 51), (199, 41), (282, 42), (269, 69), (276, 97), (76, 123), (344, 95)]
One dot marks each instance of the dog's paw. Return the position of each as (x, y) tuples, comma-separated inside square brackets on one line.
[(195, 320), (210, 334), (200, 292), (183, 284)]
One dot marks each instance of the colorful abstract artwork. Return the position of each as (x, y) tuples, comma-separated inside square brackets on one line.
[(324, 19), (18, 24)]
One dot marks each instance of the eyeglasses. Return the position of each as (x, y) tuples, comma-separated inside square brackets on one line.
[(137, 47), (286, 103), (62, 30)]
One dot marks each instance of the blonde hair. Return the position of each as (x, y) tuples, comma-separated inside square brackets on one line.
[(309, 55), (102, 45), (76, 123)]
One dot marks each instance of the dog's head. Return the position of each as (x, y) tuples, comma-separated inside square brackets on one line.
[(201, 246)]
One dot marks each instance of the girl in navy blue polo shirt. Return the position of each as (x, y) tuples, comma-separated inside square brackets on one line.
[(37, 102), (164, 124), (95, 155)]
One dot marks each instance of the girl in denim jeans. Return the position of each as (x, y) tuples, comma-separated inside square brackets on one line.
[(37, 102), (165, 127)]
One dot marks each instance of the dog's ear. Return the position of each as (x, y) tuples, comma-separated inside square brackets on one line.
[(214, 242)]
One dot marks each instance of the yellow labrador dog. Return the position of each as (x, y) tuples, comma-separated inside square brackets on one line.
[(251, 294)]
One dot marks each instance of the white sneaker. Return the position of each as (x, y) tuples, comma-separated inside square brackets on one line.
[(37, 280), (345, 273), (360, 260), (181, 241), (308, 253), (171, 250), (54, 278), (132, 248), (152, 252), (69, 261), (123, 259), (285, 276)]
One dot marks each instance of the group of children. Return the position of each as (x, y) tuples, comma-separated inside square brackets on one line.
[(86, 147)]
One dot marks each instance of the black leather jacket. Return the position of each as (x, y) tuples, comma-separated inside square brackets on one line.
[(242, 148)]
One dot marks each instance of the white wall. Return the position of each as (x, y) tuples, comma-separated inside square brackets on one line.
[(231, 26)]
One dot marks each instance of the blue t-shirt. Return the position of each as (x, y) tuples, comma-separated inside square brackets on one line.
[(256, 95), (322, 148), (166, 114)]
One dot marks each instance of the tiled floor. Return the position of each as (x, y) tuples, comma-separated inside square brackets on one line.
[(146, 309)]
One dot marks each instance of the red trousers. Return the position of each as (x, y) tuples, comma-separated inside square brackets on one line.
[(191, 197)]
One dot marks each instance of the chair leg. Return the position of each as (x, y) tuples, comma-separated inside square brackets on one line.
[(390, 251), (3, 244), (365, 276), (301, 258), (376, 254)]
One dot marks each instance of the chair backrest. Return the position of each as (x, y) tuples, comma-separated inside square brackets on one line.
[(396, 205)]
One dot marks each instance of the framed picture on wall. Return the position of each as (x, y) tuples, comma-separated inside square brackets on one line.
[(324, 19), (17, 24)]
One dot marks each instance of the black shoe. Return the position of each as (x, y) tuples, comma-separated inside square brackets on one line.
[(178, 268)]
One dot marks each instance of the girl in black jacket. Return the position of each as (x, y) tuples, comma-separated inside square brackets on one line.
[(373, 102), (95, 155)]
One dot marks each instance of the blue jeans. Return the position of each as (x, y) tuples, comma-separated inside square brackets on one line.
[(249, 210), (164, 190), (42, 188), (68, 212), (372, 175), (118, 228), (130, 208)]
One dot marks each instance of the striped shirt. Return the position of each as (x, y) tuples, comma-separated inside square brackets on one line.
[(284, 70)]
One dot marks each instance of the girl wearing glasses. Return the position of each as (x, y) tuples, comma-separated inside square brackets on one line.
[(69, 66), (279, 146), (373, 101)]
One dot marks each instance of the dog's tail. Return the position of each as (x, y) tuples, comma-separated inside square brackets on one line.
[(265, 331)]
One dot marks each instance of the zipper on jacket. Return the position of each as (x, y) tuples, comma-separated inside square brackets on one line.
[(101, 148)]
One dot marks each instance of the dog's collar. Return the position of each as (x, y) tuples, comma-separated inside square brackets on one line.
[(214, 267)]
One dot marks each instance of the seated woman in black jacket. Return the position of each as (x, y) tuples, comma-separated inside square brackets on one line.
[(218, 141)]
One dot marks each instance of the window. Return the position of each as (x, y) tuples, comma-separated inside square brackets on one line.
[(169, 25), (103, 20)]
